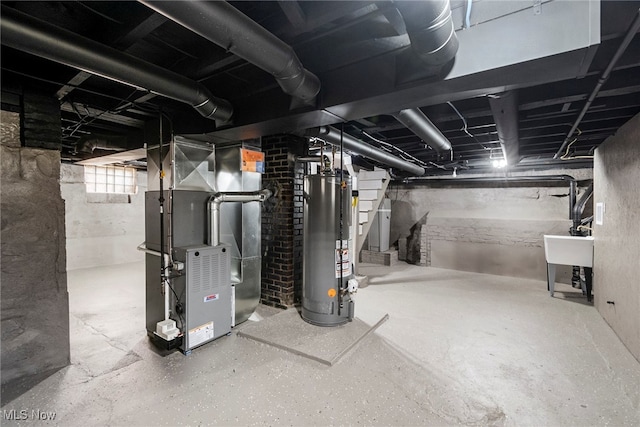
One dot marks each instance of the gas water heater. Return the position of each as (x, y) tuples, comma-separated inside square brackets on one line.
[(327, 263)]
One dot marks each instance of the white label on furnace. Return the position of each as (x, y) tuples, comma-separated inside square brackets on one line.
[(200, 334)]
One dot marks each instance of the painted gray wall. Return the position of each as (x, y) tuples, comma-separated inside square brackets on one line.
[(489, 228), (617, 240), (101, 229), (35, 302)]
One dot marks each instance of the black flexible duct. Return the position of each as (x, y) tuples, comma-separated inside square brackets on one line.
[(226, 26), (23, 32)]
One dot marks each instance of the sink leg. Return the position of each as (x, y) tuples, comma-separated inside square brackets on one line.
[(551, 278), (588, 276)]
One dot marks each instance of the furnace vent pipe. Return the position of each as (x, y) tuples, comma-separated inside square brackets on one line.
[(213, 208), (23, 32), (430, 29), (415, 120), (226, 26), (332, 136)]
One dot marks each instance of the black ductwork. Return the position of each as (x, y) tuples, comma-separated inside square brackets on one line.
[(430, 29), (224, 25), (415, 120), (433, 40), (40, 38), (334, 137), (504, 107)]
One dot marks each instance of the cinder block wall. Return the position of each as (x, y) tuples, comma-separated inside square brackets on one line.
[(617, 240), (282, 218), (490, 228), (35, 302), (102, 229)]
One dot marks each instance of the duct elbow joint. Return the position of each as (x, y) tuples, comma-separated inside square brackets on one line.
[(303, 85), (214, 108), (431, 31)]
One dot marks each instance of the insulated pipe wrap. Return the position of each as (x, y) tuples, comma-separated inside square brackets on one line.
[(226, 26), (40, 38)]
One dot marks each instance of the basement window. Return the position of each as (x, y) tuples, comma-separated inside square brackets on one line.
[(110, 179)]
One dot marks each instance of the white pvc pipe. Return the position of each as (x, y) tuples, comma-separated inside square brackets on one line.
[(166, 296), (165, 286)]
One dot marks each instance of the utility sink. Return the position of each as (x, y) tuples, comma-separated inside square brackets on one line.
[(569, 250)]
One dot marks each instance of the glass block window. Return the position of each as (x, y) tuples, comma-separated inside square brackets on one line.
[(110, 179)]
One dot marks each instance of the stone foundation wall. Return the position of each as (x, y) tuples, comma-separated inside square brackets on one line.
[(35, 303)]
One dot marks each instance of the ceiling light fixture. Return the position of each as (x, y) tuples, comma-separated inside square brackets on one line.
[(499, 164)]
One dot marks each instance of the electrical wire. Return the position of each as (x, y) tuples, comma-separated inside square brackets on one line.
[(140, 106), (390, 148), (75, 87), (467, 18), (438, 166), (566, 153), (180, 317), (91, 118), (465, 126)]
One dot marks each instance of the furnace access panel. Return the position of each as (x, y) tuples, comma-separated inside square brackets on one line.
[(207, 294)]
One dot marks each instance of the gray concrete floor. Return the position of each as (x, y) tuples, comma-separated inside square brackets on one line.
[(459, 348)]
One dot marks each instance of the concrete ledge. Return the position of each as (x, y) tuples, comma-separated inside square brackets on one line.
[(389, 257)]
